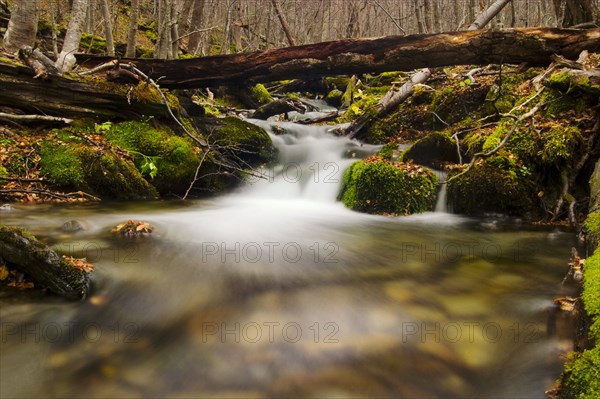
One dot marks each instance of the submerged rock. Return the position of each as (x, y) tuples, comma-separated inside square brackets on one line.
[(42, 264)]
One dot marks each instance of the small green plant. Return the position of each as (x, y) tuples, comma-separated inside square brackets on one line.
[(103, 127), (148, 166)]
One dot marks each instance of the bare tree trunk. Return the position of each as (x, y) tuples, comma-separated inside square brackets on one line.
[(174, 28), (420, 14), (22, 26), (132, 30), (486, 16), (195, 25), (163, 48), (110, 43), (284, 24), (66, 59), (572, 12)]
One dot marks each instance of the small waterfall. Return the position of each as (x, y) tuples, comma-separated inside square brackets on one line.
[(441, 204), (311, 162)]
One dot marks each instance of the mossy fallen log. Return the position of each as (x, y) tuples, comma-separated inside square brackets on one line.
[(42, 264)]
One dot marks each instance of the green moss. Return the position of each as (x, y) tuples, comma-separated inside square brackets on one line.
[(581, 378), (380, 187), (240, 139), (560, 145), (496, 184), (582, 375), (62, 166), (92, 43), (261, 94), (78, 167), (385, 78), (559, 104), (334, 98), (3, 172), (175, 157), (387, 151)]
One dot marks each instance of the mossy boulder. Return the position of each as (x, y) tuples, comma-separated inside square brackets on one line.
[(260, 94), (78, 167), (42, 264), (496, 184), (174, 157), (334, 98), (238, 139), (377, 186), (595, 188), (433, 150)]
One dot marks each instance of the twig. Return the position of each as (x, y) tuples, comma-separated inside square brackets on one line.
[(502, 143), (33, 118), (50, 193), (100, 68), (22, 180)]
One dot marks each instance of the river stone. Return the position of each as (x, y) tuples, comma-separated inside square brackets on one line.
[(72, 226)]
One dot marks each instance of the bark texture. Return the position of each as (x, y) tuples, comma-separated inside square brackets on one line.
[(354, 56)]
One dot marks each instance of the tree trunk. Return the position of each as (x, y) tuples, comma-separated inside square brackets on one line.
[(195, 25), (284, 24), (132, 30), (485, 17), (22, 26), (66, 59), (572, 12), (108, 28), (163, 48), (354, 56)]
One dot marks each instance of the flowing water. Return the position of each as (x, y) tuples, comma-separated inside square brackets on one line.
[(278, 290)]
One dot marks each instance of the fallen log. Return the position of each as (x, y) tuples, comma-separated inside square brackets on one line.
[(389, 102), (42, 264), (72, 99), (534, 46)]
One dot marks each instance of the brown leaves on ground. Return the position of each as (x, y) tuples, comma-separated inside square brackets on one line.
[(133, 228), (79, 263), (14, 278)]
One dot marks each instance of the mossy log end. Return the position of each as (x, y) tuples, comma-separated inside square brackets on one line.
[(42, 264), (71, 98), (536, 46)]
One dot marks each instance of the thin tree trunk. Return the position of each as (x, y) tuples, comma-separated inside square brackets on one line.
[(110, 43), (421, 27), (66, 59), (485, 17), (195, 26), (132, 30), (284, 24), (22, 26)]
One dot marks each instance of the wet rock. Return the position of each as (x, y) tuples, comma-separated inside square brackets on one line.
[(42, 264), (72, 226)]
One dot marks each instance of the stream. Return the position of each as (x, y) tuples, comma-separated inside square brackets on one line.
[(278, 290)]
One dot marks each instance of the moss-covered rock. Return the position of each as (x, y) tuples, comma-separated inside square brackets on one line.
[(334, 98), (433, 150), (377, 186), (238, 139), (103, 174), (496, 184), (260, 94), (174, 157), (42, 264)]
